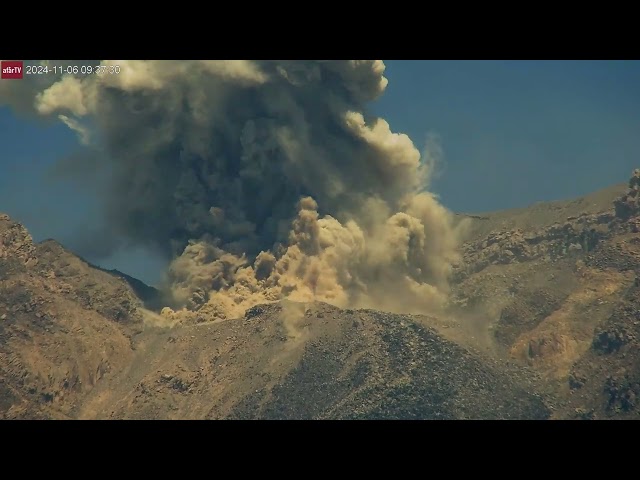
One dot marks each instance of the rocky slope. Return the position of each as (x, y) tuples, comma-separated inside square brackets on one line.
[(301, 361), (75, 342), (557, 285), (63, 325), (544, 322)]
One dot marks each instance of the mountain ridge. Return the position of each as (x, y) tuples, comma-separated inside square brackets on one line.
[(542, 323)]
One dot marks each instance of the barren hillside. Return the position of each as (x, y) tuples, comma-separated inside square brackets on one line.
[(543, 323), (75, 342), (556, 286)]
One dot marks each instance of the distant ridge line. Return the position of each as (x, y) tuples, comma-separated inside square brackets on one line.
[(479, 217)]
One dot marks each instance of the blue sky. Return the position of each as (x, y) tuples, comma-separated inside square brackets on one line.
[(517, 132), (512, 132)]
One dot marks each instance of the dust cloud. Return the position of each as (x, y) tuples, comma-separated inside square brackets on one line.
[(292, 316), (260, 180)]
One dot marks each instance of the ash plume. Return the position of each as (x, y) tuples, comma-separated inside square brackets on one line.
[(261, 180)]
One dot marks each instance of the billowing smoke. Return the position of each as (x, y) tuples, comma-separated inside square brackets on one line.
[(261, 180)]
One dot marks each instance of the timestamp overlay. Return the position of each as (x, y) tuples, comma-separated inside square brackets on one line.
[(113, 69)]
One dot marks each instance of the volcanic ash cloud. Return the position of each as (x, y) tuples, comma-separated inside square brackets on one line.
[(262, 180)]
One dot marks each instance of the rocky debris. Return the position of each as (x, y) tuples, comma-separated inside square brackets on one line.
[(525, 313), (576, 381), (398, 370), (255, 311), (578, 235), (572, 238), (615, 255), (176, 383), (93, 288), (609, 341), (544, 346), (17, 250), (622, 328), (584, 414), (622, 391), (628, 205)]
